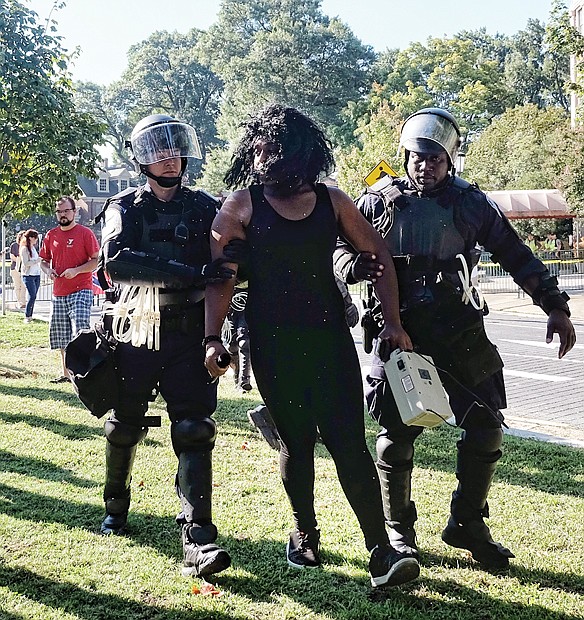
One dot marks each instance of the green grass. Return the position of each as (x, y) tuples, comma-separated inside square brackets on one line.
[(55, 565)]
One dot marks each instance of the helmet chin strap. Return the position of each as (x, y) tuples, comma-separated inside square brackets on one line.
[(166, 182)]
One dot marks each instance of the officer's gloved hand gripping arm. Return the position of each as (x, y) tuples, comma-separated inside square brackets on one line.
[(127, 266)]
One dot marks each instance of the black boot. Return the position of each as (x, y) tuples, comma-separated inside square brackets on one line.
[(235, 366), (118, 467), (245, 365), (466, 528), (202, 556), (400, 515), (194, 486)]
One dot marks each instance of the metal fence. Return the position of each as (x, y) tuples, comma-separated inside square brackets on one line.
[(492, 278), (567, 266)]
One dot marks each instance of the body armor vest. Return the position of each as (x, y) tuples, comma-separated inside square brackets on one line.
[(421, 227)]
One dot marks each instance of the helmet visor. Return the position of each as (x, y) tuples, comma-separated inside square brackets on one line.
[(433, 128), (165, 141)]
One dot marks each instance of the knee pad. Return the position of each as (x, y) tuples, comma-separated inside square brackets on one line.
[(123, 435), (484, 444), (188, 434), (394, 454)]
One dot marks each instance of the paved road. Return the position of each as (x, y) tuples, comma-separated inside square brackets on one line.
[(544, 394)]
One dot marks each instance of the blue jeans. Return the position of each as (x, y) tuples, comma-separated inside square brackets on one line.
[(32, 284)]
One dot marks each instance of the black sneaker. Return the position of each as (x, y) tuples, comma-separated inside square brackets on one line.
[(245, 385), (202, 556), (302, 550), (389, 567)]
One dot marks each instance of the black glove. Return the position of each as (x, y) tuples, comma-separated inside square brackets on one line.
[(216, 271), (364, 268), (236, 251)]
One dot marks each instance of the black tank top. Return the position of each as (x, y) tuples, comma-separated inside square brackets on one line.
[(291, 281)]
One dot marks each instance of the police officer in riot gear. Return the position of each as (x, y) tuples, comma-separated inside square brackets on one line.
[(432, 221), (156, 237)]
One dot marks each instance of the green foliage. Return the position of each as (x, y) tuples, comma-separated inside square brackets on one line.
[(165, 74), (55, 565), (218, 160), (461, 74), (525, 148), (45, 141), (286, 51), (378, 139)]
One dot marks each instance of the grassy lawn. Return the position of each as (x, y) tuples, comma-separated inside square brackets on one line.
[(55, 565)]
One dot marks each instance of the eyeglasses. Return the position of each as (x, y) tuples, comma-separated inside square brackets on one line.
[(63, 211)]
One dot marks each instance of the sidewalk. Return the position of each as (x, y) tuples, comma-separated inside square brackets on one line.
[(522, 304)]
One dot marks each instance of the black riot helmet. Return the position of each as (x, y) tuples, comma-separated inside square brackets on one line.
[(158, 137), (431, 130)]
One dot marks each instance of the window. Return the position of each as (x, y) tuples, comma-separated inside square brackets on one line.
[(103, 185), (123, 184)]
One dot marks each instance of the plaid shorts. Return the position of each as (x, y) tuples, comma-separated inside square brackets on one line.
[(68, 312)]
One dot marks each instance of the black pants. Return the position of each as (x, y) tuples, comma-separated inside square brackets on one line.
[(309, 379)]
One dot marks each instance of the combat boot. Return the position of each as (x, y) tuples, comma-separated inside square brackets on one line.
[(466, 528), (202, 557), (116, 495)]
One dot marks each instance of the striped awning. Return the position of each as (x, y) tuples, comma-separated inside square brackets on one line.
[(532, 203)]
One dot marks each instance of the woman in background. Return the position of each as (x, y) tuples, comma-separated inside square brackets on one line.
[(30, 270)]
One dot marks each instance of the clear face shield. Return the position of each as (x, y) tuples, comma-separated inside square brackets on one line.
[(165, 141), (433, 128)]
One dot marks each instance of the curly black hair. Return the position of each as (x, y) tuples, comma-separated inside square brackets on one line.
[(302, 143)]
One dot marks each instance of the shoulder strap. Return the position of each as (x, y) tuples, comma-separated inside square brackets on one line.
[(386, 189), (124, 197)]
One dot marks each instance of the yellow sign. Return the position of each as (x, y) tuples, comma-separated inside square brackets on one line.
[(383, 169)]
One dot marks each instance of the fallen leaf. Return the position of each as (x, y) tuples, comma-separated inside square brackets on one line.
[(208, 589)]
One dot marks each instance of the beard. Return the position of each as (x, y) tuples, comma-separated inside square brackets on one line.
[(65, 221), (283, 176)]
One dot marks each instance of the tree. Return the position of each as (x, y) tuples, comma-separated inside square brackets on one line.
[(525, 148), (379, 139), (44, 140), (108, 105), (460, 74), (287, 51), (164, 75)]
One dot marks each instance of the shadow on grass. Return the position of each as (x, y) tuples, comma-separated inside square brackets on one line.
[(271, 578), (89, 605), (40, 468), (65, 394), (69, 431), (268, 576), (546, 467)]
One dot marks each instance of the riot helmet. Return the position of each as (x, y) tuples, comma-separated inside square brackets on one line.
[(431, 130), (158, 137)]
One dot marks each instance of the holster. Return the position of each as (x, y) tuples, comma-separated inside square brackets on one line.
[(370, 330)]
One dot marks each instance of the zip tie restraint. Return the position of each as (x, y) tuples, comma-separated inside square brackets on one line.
[(136, 316), (470, 293)]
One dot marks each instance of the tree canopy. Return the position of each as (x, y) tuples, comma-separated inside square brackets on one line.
[(44, 140)]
